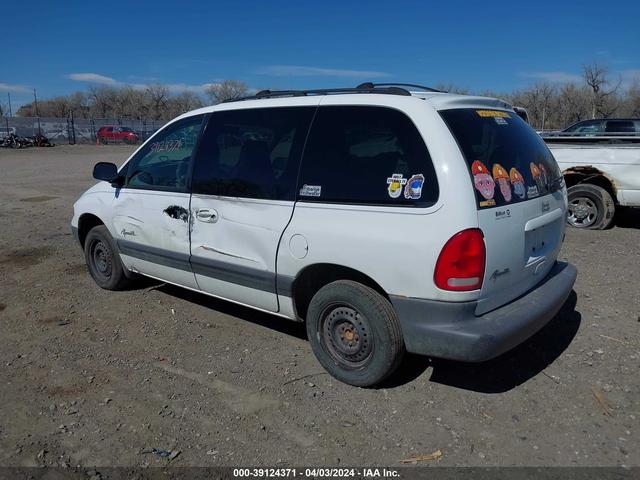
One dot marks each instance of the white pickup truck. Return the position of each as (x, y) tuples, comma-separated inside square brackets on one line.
[(601, 173)]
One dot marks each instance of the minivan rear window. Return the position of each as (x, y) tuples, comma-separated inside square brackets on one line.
[(509, 162)]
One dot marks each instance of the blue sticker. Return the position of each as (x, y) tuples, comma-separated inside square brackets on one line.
[(413, 188)]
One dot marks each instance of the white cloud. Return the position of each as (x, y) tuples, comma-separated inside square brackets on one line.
[(93, 78), (103, 79), (7, 87), (554, 77), (183, 87), (300, 71)]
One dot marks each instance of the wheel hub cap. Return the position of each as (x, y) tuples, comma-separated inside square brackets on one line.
[(347, 335), (102, 259), (582, 212)]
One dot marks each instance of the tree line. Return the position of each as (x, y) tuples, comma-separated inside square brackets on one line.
[(555, 106), (550, 106), (153, 102)]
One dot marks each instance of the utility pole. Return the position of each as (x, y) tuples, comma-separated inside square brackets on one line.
[(35, 99), (6, 119)]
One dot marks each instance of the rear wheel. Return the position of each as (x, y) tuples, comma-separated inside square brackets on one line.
[(590, 206), (355, 333), (103, 260)]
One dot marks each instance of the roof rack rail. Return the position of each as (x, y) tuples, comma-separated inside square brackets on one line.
[(370, 85), (389, 90)]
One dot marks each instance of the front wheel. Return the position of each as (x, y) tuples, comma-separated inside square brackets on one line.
[(590, 207), (103, 260), (354, 333)]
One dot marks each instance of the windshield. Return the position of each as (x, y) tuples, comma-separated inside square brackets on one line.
[(508, 160)]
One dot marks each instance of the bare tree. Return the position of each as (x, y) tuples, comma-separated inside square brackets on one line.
[(539, 100), (603, 99), (157, 96), (632, 100), (183, 102), (227, 90), (574, 103), (103, 101)]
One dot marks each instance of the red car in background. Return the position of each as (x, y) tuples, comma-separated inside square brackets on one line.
[(114, 133)]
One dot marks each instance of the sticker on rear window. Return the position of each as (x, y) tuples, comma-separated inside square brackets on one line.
[(413, 188), (484, 183), (501, 177), (543, 174), (493, 113), (310, 190), (517, 180), (500, 121), (536, 173), (394, 185)]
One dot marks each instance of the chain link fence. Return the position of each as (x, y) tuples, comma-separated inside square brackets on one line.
[(75, 130)]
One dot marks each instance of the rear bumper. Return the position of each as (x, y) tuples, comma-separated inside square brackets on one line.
[(453, 331)]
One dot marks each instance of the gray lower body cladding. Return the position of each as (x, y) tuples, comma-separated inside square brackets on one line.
[(453, 331)]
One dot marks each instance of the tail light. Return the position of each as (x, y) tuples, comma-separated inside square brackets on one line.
[(460, 266)]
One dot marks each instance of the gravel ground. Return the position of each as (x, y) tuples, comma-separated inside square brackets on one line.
[(96, 378)]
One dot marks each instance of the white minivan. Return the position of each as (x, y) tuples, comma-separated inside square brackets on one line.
[(389, 218)]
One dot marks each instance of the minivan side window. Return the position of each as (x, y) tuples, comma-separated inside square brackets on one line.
[(589, 126), (620, 126), (164, 162), (252, 153), (366, 155)]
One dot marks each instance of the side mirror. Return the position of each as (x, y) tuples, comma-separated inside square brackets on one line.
[(107, 172)]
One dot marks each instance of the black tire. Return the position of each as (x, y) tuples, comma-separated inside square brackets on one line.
[(102, 140), (354, 333), (590, 207), (103, 260)]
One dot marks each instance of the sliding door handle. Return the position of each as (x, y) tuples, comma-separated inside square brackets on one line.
[(208, 215)]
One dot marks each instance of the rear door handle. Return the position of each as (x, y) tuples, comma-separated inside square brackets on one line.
[(208, 215)]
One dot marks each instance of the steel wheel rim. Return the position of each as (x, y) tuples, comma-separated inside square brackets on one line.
[(583, 212), (345, 334), (101, 259)]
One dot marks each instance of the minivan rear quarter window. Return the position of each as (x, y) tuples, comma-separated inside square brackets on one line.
[(366, 155), (509, 162)]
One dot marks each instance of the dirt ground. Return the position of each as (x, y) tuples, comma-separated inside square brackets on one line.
[(96, 378)]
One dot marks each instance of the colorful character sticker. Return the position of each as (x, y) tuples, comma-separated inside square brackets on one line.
[(483, 182), (501, 177), (394, 185), (537, 176), (543, 174), (413, 188), (517, 180)]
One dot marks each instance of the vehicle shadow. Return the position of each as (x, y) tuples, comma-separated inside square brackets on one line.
[(628, 217), (495, 376), (515, 367), (274, 322)]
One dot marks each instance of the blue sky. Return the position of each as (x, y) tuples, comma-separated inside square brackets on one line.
[(59, 47)]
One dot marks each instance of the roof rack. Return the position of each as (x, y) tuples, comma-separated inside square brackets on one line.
[(364, 88), (370, 85)]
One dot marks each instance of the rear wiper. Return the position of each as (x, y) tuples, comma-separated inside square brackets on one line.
[(556, 184)]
